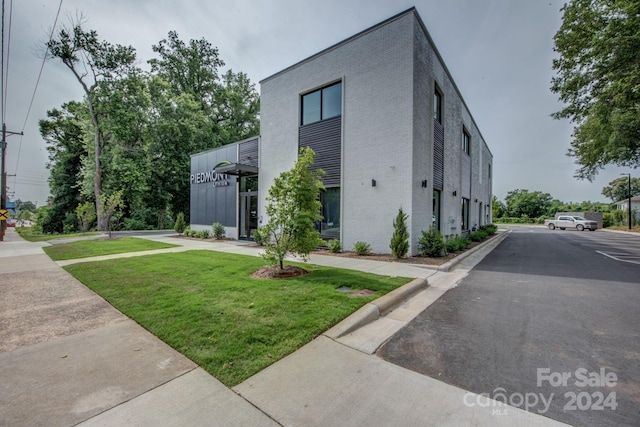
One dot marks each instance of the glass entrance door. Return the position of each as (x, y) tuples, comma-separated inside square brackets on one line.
[(248, 214)]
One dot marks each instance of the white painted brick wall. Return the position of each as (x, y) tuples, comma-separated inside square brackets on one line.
[(387, 132)]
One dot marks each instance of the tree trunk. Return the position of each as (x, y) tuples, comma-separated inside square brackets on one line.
[(97, 177)]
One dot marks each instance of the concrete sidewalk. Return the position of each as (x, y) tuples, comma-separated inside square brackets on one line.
[(69, 358)]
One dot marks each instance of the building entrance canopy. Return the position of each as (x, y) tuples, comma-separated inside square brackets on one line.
[(237, 169)]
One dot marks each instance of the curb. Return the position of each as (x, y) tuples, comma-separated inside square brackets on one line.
[(446, 267), (372, 311)]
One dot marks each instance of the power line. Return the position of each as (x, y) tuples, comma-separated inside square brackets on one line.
[(35, 89), (44, 59), (6, 76)]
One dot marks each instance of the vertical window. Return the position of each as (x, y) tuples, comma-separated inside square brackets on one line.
[(466, 142), (465, 214), (489, 170), (332, 101), (437, 105), (330, 225), (322, 104), (435, 218), (311, 107)]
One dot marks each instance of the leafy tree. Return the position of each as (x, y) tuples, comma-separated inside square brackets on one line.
[(64, 133), (618, 189), (598, 75), (109, 204), (400, 240), (25, 206), (194, 110), (498, 208), (124, 107), (177, 127), (93, 63), (86, 214), (293, 207), (525, 203), (238, 108), (189, 68)]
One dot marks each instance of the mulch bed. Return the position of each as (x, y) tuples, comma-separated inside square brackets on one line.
[(279, 273), (388, 258)]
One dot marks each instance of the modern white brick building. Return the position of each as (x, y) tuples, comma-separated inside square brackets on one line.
[(389, 127)]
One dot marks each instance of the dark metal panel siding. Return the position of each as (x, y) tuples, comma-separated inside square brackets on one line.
[(210, 203), (248, 152), (325, 138), (466, 176), (438, 156)]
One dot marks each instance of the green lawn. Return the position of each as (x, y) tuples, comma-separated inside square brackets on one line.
[(205, 305), (28, 234), (89, 248)]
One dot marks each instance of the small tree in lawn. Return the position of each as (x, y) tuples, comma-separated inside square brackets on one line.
[(86, 213), (400, 239), (109, 204), (293, 206)]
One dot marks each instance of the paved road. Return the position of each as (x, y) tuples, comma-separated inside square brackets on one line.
[(547, 322)]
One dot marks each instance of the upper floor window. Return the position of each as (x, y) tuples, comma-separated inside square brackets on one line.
[(466, 142), (437, 105), (322, 104)]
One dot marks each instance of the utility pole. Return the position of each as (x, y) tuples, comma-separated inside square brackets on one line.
[(3, 176), (629, 188)]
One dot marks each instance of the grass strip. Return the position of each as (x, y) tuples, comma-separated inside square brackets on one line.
[(90, 248), (28, 234), (205, 305)]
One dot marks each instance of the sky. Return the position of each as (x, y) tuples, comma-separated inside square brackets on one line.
[(499, 53)]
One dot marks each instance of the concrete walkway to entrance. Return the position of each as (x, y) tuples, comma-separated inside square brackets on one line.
[(68, 358)]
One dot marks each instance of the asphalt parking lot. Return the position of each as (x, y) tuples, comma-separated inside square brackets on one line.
[(540, 313)]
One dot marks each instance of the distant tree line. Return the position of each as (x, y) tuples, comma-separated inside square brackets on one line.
[(524, 206), (132, 135)]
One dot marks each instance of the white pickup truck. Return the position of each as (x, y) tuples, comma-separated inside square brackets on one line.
[(570, 221)]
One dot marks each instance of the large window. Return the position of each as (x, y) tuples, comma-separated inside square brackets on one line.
[(466, 142), (437, 105), (330, 225), (322, 104), (465, 214)]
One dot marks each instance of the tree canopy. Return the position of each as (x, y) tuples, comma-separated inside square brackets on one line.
[(598, 76), (134, 131), (618, 189)]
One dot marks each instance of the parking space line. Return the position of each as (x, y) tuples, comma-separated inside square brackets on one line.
[(617, 259)]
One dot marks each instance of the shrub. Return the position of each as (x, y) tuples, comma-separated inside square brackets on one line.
[(203, 234), (218, 230), (180, 226), (362, 248), (490, 229), (259, 236), (400, 240), (457, 243), (478, 236), (431, 243), (334, 246)]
